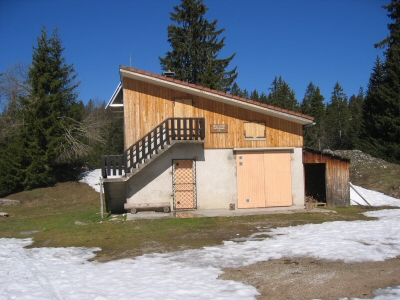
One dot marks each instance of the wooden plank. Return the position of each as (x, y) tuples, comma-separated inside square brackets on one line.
[(147, 105), (250, 178), (144, 205), (135, 207), (278, 178)]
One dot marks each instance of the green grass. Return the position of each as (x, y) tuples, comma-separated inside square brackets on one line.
[(69, 215), (373, 173)]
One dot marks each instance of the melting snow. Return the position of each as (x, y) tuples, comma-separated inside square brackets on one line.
[(66, 273)]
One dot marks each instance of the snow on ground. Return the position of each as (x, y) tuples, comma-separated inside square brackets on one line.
[(373, 198), (92, 178), (65, 273)]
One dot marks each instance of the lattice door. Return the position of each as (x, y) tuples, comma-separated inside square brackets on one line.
[(184, 183)]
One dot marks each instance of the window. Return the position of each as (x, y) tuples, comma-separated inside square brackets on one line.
[(254, 130)]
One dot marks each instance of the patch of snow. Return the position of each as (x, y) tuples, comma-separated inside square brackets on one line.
[(92, 178), (373, 197), (193, 273), (57, 273), (387, 293), (65, 273), (390, 293)]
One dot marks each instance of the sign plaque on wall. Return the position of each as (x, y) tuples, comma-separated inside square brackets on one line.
[(219, 128)]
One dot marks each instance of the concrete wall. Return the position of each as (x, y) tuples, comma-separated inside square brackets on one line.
[(215, 172), (297, 176), (216, 180), (216, 177), (115, 195)]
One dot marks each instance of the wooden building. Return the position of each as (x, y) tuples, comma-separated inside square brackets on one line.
[(327, 177), (198, 148)]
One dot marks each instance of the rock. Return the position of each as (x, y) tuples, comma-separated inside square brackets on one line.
[(29, 232), (4, 214), (79, 223), (9, 202)]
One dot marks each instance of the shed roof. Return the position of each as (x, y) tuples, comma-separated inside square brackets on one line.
[(327, 153), (211, 94)]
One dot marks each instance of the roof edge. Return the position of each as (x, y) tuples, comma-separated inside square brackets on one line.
[(326, 153), (216, 95), (114, 96)]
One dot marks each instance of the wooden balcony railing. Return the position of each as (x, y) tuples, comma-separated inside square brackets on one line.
[(170, 129)]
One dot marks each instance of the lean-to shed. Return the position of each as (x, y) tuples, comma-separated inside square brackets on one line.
[(326, 177)]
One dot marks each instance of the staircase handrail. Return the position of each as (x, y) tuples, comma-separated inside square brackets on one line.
[(155, 139)]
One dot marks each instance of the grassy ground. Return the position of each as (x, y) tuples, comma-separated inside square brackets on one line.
[(373, 173), (68, 215)]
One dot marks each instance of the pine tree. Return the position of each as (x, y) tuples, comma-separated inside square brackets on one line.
[(372, 105), (254, 96), (313, 105), (337, 117), (195, 48), (245, 94), (381, 111), (109, 129), (263, 98), (305, 107), (236, 90), (282, 95), (50, 109), (355, 107)]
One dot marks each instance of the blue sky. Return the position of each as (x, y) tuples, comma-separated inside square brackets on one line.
[(325, 41)]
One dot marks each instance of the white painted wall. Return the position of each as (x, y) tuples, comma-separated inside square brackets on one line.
[(215, 172), (216, 177), (297, 176), (216, 180)]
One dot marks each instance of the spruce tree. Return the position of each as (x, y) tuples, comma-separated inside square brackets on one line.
[(195, 48), (245, 94), (263, 98), (236, 90), (50, 109), (355, 107), (372, 105), (254, 96), (282, 95), (337, 118), (381, 111), (313, 105)]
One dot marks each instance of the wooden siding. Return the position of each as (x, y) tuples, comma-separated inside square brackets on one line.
[(337, 176), (254, 130), (278, 179), (250, 179), (264, 179), (147, 105)]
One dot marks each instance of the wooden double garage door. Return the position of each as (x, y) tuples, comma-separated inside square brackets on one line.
[(264, 179)]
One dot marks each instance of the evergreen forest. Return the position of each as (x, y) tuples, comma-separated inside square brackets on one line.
[(47, 135)]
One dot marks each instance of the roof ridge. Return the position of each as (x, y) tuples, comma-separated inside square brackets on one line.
[(177, 81)]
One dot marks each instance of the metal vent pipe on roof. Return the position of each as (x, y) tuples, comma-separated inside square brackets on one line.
[(169, 73)]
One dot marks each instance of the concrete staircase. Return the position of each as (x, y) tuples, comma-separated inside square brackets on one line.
[(115, 189)]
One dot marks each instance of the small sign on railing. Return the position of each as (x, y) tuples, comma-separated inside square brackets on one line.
[(219, 128)]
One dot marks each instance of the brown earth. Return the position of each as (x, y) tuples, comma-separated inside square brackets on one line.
[(308, 278)]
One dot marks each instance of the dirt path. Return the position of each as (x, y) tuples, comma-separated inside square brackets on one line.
[(307, 278)]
